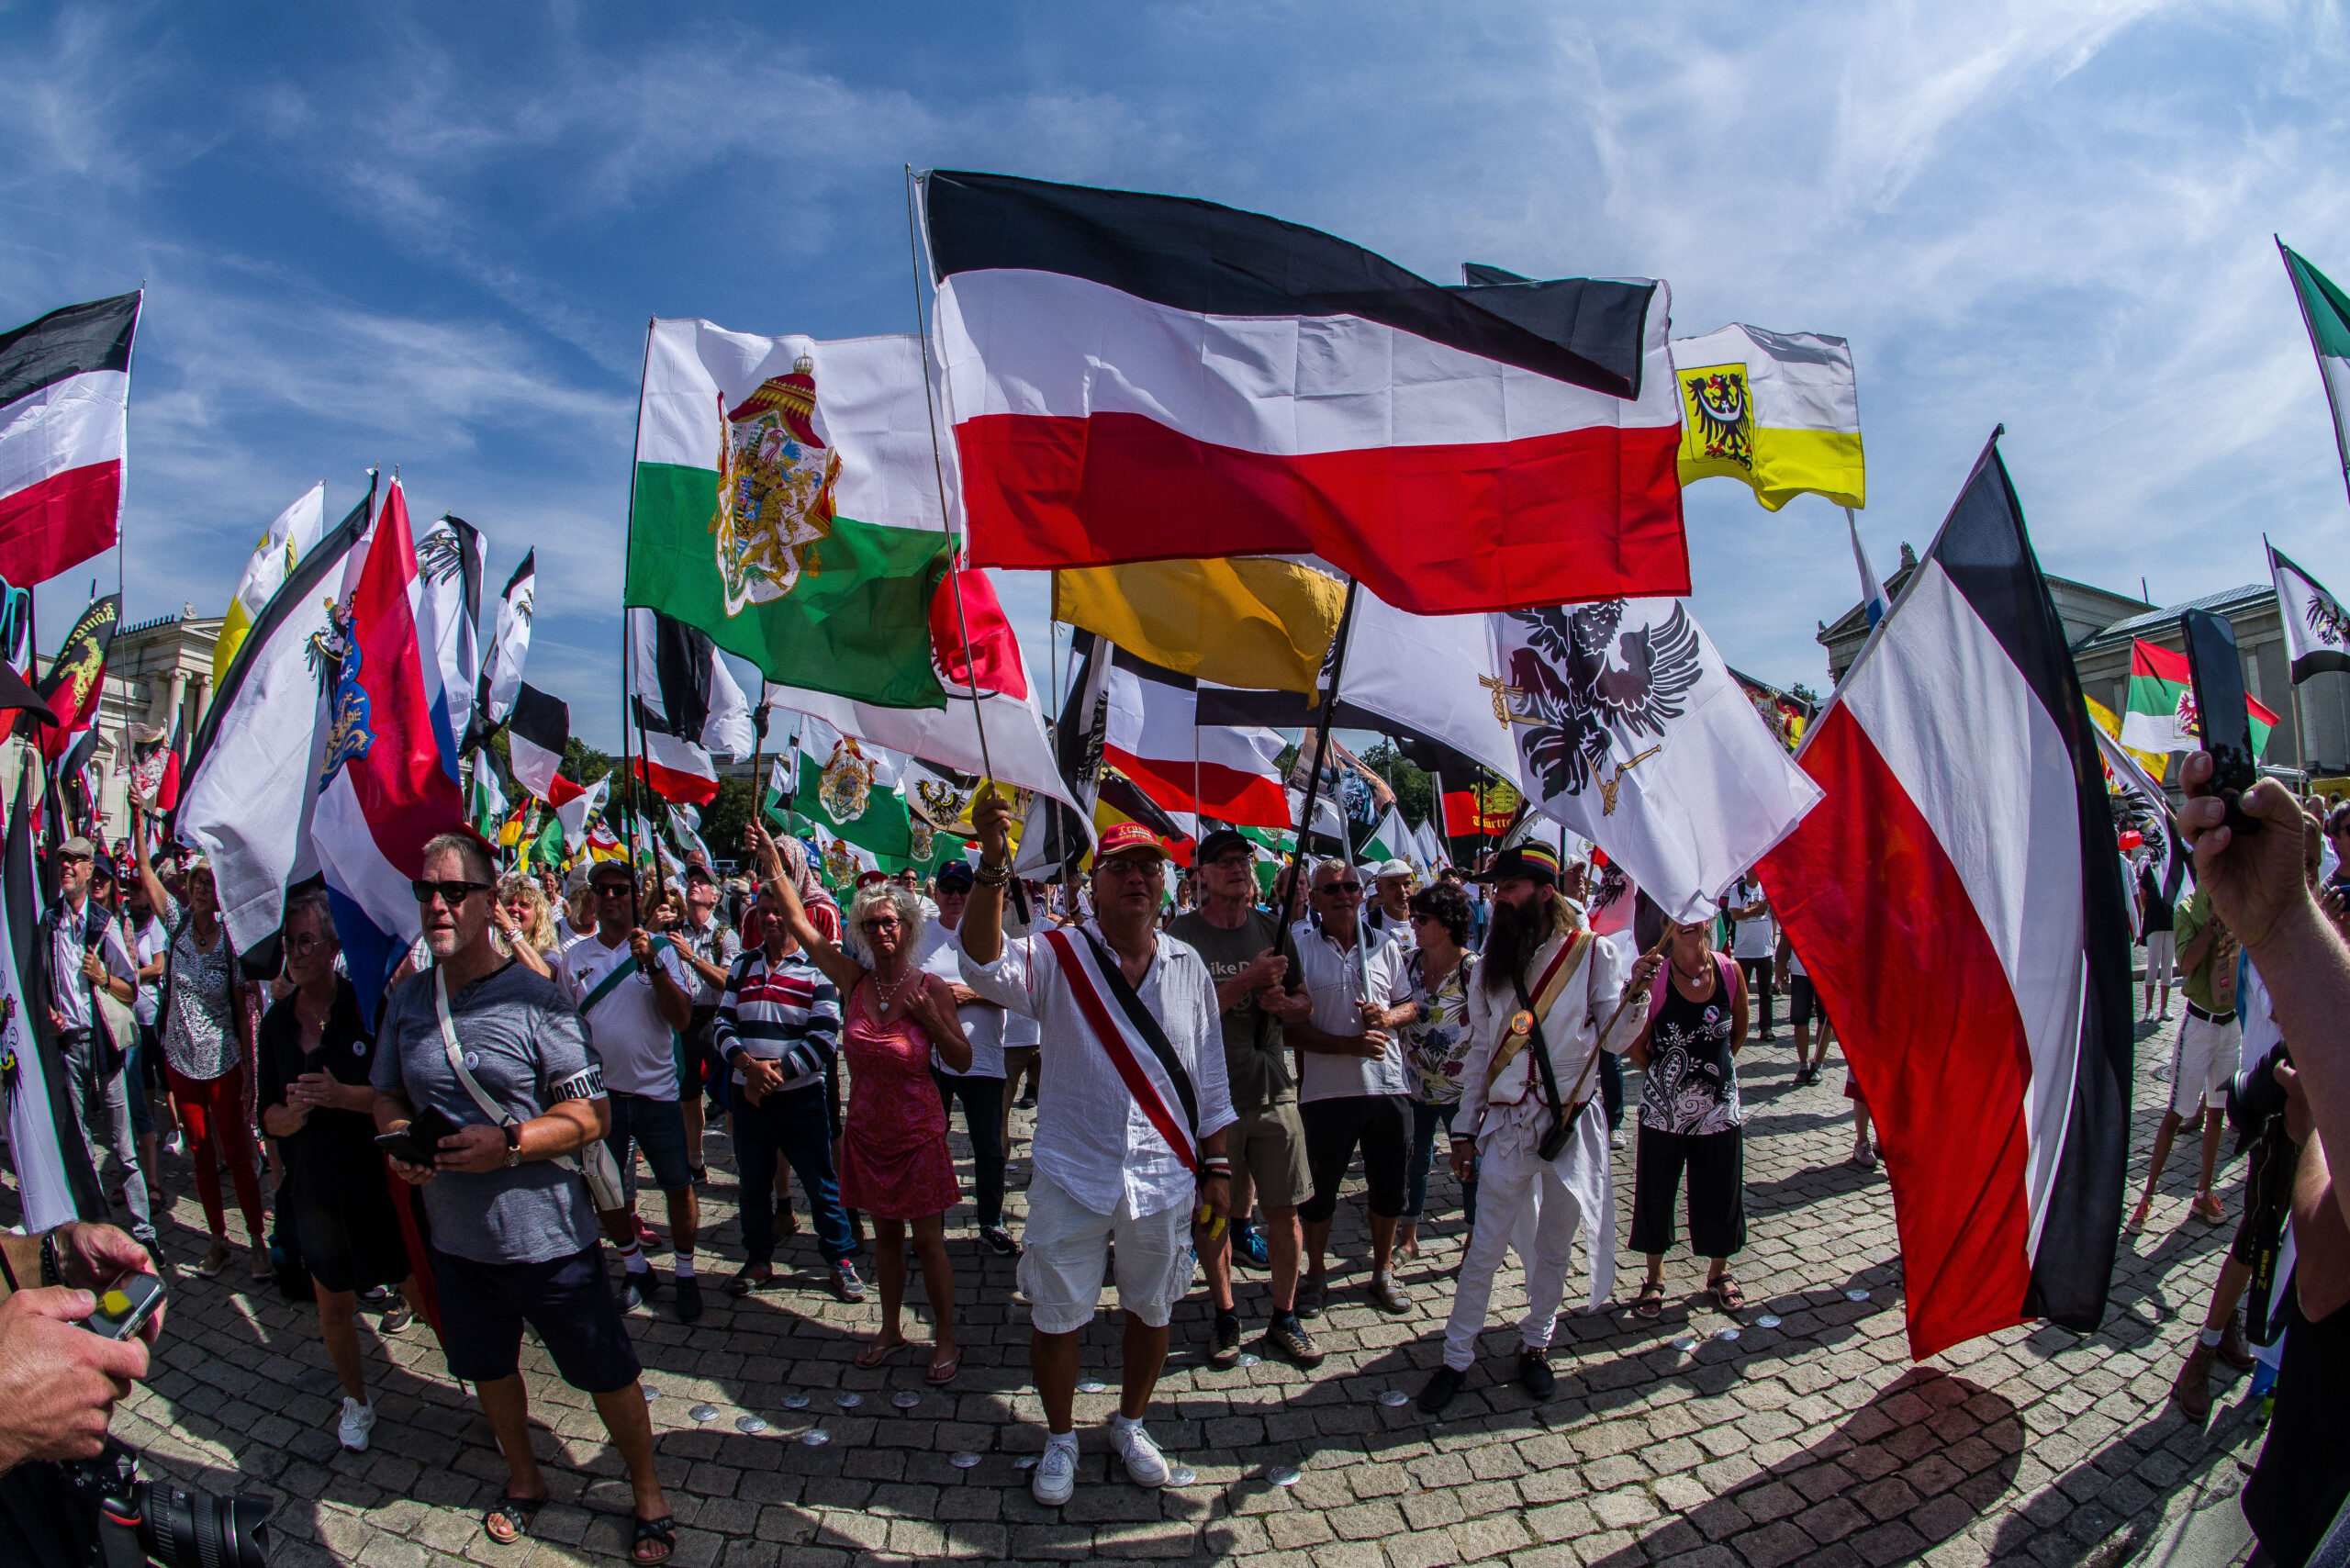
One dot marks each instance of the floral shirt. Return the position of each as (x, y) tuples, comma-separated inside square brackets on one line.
[(199, 1030), (1437, 1043)]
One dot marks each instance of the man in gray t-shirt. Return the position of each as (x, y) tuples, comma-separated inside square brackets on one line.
[(514, 1238)]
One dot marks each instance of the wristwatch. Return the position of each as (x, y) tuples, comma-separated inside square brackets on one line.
[(513, 1131)]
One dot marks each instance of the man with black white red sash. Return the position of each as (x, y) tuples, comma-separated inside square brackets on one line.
[(1545, 985), (1131, 1106)]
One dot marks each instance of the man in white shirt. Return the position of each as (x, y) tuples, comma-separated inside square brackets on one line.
[(1352, 1090), (1114, 1164), (982, 1088), (1389, 917), (85, 952), (1505, 1112), (633, 992), (1755, 944)]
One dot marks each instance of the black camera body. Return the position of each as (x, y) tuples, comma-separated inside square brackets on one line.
[(146, 1521)]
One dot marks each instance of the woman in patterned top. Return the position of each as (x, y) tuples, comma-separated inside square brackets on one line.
[(1690, 1116), (203, 1015), (1435, 1044)]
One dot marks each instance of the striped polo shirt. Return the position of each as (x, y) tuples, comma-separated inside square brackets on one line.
[(789, 1013)]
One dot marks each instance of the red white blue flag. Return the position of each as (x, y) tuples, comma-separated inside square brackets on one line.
[(387, 778)]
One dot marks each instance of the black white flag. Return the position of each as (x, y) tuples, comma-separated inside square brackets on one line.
[(2317, 632), (510, 645)]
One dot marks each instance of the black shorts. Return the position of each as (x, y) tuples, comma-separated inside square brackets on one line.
[(1801, 1000), (1382, 1125), (658, 1127), (1716, 1163), (566, 1300), (346, 1227), (700, 1069)]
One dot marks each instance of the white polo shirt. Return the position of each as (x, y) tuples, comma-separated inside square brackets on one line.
[(1334, 982), (625, 1029)]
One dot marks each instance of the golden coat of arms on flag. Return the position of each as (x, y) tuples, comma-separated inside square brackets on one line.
[(846, 784), (776, 478)]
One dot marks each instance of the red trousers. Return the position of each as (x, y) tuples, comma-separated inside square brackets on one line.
[(212, 1113)]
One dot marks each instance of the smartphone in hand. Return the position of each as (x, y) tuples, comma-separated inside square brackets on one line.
[(2221, 711), (125, 1306)]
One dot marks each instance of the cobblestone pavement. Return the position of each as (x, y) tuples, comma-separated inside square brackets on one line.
[(1813, 1442)]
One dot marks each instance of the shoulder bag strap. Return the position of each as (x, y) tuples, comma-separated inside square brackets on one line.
[(497, 1114), (595, 1161), (618, 973), (1541, 1053)]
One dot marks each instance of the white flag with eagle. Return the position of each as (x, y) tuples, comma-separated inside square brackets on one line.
[(1631, 731)]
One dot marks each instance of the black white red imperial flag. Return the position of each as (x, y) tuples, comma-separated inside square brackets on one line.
[(1957, 901), (1136, 378), (64, 386)]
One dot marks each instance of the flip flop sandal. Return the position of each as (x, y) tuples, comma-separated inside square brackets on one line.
[(876, 1356), (940, 1373), (518, 1514), (662, 1532), (1727, 1294), (1650, 1302)]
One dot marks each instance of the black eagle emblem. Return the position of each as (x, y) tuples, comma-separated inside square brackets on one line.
[(1584, 687), (2326, 621), (440, 555)]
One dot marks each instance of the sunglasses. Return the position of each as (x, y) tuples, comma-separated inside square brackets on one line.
[(612, 889), (452, 894), (887, 924), (1329, 888)]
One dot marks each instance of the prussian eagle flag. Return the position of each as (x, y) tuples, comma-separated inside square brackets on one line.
[(64, 391), (386, 787), (1136, 378), (1957, 901)]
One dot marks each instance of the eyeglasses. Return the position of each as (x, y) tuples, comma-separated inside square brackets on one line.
[(452, 894), (612, 889), (1328, 888), (304, 944), (886, 923)]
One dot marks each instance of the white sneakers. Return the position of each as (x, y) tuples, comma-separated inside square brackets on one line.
[(1146, 1466), (1055, 1481), (358, 1421)]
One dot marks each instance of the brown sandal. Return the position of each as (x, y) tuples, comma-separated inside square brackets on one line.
[(1650, 1302), (1726, 1292)]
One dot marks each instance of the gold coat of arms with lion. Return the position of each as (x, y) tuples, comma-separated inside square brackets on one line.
[(775, 488)]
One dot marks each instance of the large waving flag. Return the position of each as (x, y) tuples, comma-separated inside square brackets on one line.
[(54, 1181), (290, 535), (1777, 411), (1247, 621), (2326, 311), (1957, 901), (386, 787), (1135, 377), (449, 563), (686, 705), (251, 775), (2317, 629), (787, 505), (509, 646), (64, 395), (76, 681)]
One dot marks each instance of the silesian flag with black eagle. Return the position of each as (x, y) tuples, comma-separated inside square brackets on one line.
[(2317, 631), (1133, 377), (1957, 901), (65, 397)]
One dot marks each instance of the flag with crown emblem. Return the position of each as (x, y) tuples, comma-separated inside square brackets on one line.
[(786, 504)]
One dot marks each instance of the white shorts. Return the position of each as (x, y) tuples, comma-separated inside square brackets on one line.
[(1065, 1247), (2209, 1055), (2161, 955)]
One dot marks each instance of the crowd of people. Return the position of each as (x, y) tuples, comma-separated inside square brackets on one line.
[(1208, 1068)]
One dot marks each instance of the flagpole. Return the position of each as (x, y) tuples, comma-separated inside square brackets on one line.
[(628, 641), (2300, 752), (758, 752), (955, 553)]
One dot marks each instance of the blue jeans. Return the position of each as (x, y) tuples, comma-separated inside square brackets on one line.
[(1611, 1088), (1424, 1121), (797, 1126)]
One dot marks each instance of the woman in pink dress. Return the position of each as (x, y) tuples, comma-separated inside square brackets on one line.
[(894, 1164)]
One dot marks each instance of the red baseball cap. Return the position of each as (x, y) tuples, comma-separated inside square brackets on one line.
[(1124, 839)]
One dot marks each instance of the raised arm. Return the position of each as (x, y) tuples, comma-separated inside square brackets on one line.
[(157, 899), (839, 967), (982, 926)]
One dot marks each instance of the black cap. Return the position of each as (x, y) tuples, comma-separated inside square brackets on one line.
[(1538, 862), (955, 874), (702, 874), (1216, 843)]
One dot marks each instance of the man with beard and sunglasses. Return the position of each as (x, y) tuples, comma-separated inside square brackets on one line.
[(1544, 983)]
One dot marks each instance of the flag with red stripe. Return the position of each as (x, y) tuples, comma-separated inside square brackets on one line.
[(1136, 378), (64, 393), (1957, 901), (1153, 735), (538, 729)]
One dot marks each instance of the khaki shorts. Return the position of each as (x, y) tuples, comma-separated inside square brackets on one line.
[(1066, 1247), (2204, 1064), (1271, 1146)]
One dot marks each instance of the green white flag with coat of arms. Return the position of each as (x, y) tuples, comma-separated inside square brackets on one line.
[(787, 503)]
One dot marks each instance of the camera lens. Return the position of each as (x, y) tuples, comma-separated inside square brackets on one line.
[(197, 1530)]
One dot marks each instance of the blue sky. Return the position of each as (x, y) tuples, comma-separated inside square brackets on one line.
[(431, 235)]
